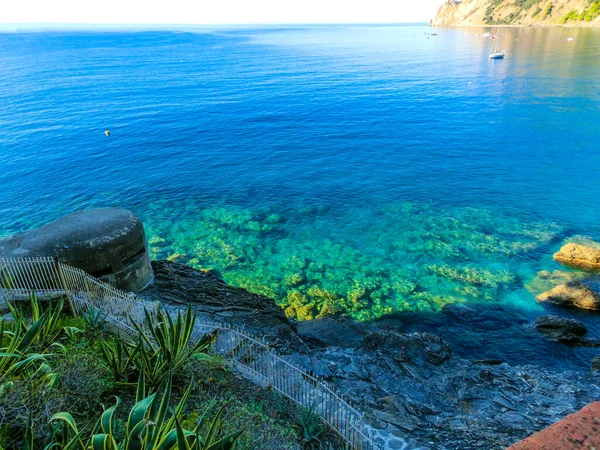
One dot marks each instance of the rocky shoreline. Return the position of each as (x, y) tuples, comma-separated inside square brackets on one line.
[(414, 390)]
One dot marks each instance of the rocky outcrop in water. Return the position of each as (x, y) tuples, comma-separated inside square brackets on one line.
[(560, 329), (572, 295), (416, 393), (583, 257)]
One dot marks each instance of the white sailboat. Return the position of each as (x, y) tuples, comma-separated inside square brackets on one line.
[(495, 53)]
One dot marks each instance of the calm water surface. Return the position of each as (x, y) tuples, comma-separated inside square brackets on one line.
[(366, 170)]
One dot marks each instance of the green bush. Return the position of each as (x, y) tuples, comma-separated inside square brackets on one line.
[(571, 15)]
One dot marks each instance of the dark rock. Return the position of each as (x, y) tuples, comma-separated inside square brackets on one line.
[(580, 256), (572, 295), (109, 243), (595, 366), (320, 368), (560, 329), (417, 348), (332, 331), (179, 283)]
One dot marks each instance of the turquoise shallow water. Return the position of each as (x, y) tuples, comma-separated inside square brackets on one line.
[(363, 170)]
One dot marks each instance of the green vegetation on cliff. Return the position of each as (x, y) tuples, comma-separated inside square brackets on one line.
[(518, 12), (587, 14)]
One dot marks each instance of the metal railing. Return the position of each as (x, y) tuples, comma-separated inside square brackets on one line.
[(249, 355)]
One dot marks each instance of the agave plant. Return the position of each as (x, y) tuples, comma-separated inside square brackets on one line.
[(26, 346), (51, 326), (119, 355), (16, 347), (310, 425), (149, 427), (167, 345), (94, 319)]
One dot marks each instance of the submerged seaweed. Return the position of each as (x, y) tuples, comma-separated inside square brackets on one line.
[(363, 263)]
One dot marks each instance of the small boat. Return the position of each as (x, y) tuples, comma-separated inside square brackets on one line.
[(494, 53)]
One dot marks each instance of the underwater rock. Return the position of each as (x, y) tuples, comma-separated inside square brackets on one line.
[(580, 256), (560, 329), (572, 294), (546, 280), (176, 257)]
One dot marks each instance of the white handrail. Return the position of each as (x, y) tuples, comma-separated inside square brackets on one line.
[(248, 354)]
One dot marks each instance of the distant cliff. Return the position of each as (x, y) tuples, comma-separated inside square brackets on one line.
[(518, 12)]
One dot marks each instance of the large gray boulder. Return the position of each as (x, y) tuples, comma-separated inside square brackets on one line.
[(109, 243)]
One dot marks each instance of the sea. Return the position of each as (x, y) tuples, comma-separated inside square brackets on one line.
[(384, 172)]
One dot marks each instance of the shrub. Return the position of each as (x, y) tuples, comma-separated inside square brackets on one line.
[(27, 404), (83, 378)]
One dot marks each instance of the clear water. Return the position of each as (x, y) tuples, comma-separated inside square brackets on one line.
[(364, 170)]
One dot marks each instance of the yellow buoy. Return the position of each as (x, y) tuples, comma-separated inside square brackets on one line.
[(107, 132)]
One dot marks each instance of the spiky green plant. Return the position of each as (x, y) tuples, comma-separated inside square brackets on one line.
[(119, 356), (310, 425), (16, 343), (94, 319), (151, 425), (167, 345), (26, 346), (51, 327)]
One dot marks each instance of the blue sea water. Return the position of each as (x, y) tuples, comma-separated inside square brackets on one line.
[(364, 170)]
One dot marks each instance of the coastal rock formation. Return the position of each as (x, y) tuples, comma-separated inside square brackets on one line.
[(533, 12), (414, 391), (560, 329), (579, 256), (546, 280), (572, 295), (180, 284), (109, 243)]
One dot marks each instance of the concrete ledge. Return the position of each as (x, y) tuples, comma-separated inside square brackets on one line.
[(579, 431)]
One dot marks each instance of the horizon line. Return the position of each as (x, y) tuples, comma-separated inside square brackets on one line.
[(95, 25)]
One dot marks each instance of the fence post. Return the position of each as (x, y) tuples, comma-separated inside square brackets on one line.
[(269, 368), (61, 278)]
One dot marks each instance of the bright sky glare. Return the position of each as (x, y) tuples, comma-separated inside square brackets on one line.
[(216, 11)]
